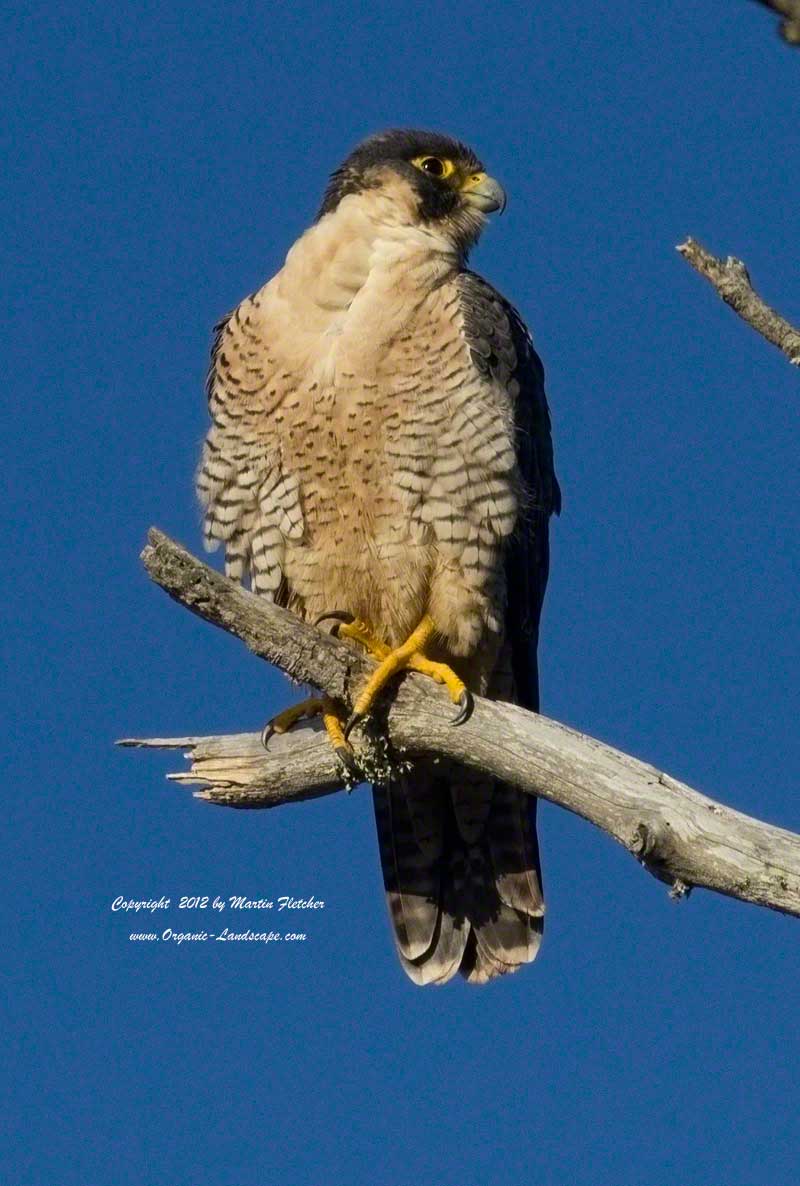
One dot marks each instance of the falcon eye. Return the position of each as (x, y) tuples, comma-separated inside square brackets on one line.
[(434, 166)]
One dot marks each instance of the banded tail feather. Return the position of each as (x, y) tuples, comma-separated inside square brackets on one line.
[(463, 887)]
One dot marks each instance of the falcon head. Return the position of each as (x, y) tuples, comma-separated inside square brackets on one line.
[(433, 181)]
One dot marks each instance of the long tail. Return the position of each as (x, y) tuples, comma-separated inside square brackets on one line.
[(461, 869)]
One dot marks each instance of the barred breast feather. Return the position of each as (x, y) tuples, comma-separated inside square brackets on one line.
[(459, 851)]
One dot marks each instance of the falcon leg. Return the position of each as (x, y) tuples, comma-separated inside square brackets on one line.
[(409, 656), (357, 631), (283, 722), (314, 706)]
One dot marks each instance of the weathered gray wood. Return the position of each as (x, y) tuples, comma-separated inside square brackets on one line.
[(731, 280), (236, 770), (678, 834), (789, 28)]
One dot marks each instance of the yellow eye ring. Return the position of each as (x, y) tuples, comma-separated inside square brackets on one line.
[(434, 166)]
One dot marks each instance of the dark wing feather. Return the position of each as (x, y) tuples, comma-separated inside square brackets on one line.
[(503, 350)]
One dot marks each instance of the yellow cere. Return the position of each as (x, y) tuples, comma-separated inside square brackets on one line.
[(474, 180)]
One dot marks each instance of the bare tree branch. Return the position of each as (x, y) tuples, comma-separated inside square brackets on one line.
[(789, 28), (678, 834), (237, 771), (732, 282)]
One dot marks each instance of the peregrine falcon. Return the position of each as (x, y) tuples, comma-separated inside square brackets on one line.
[(380, 455)]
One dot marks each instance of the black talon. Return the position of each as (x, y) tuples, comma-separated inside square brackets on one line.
[(347, 759), (354, 720), (335, 615), (465, 707), (266, 734)]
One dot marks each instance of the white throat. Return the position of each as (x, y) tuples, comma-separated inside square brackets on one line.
[(353, 280)]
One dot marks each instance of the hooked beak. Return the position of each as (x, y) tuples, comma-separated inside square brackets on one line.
[(483, 192)]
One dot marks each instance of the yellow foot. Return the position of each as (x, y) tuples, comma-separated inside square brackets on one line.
[(410, 656), (315, 706), (357, 631)]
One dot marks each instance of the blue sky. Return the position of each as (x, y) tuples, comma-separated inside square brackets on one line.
[(162, 160)]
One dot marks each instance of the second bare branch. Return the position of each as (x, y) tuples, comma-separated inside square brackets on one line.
[(731, 280)]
